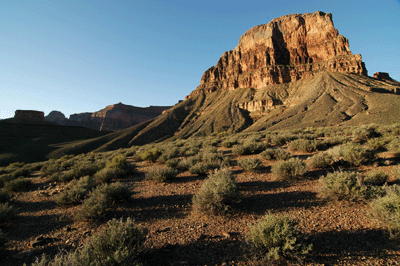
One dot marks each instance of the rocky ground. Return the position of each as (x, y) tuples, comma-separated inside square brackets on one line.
[(342, 233)]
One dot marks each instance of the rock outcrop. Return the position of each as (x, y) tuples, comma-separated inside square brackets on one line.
[(287, 49), (113, 117), (29, 116), (56, 117)]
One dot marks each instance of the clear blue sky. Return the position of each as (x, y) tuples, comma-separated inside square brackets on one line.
[(80, 56)]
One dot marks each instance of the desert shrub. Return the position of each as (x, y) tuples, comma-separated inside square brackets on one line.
[(94, 206), (7, 211), (131, 151), (363, 133), (303, 145), (150, 155), (249, 147), (342, 186), (394, 145), (319, 160), (119, 244), (217, 194), (116, 192), (76, 191), (355, 154), (292, 168), (161, 174), (230, 142), (18, 184), (278, 140), (275, 154), (173, 163), (215, 159), (387, 209), (199, 169), (377, 144), (376, 178), (186, 163), (169, 153), (4, 196), (189, 151), (250, 164), (106, 175), (275, 238)]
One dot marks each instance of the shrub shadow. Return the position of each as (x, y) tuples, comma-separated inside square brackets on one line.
[(333, 245)]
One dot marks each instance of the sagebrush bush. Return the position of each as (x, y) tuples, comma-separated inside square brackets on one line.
[(342, 186), (119, 244), (76, 191), (319, 160), (355, 154), (250, 164), (217, 194), (161, 174), (278, 140), (303, 145), (106, 175), (94, 206), (7, 212), (21, 183), (150, 155), (186, 163), (292, 168), (387, 209), (394, 145), (4, 196), (249, 147), (116, 192), (199, 169), (173, 163), (376, 178), (275, 238), (364, 133), (275, 154)]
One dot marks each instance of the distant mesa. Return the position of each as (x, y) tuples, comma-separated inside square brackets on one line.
[(29, 116), (382, 76), (113, 117)]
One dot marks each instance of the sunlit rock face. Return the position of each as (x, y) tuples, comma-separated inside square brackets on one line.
[(287, 49)]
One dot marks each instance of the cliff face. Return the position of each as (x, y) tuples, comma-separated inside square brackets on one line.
[(116, 117), (287, 49)]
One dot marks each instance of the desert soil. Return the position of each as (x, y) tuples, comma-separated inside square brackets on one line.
[(342, 233)]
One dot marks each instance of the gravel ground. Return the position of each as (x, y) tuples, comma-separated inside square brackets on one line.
[(341, 233)]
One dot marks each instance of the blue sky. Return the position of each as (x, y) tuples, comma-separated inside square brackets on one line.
[(80, 56)]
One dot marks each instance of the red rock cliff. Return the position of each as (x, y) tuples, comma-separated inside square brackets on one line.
[(287, 49)]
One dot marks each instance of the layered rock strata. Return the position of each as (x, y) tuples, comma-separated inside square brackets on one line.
[(287, 49)]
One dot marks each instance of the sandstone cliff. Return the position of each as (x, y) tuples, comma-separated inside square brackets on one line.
[(113, 117), (287, 49)]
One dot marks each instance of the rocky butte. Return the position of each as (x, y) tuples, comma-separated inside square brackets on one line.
[(287, 49)]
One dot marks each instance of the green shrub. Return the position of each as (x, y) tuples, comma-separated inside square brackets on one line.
[(278, 140), (377, 144), (186, 163), (275, 238), (249, 147), (76, 191), (320, 160), (250, 164), (94, 206), (106, 175), (303, 145), (7, 212), (215, 160), (173, 163), (150, 155), (4, 196), (363, 133), (116, 192), (199, 169), (387, 209), (355, 154), (161, 174), (119, 244), (376, 178), (292, 168), (18, 184), (394, 145), (230, 142), (275, 154), (217, 194), (342, 186)]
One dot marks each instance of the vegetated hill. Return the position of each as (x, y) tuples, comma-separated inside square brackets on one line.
[(294, 72), (33, 141)]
